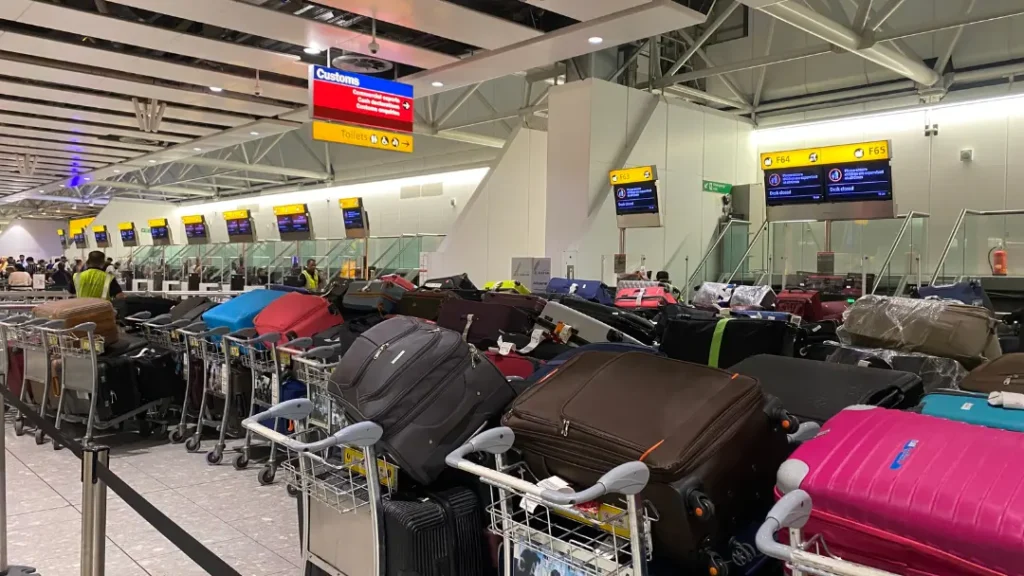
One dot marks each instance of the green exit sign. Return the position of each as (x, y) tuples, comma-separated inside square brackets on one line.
[(717, 187)]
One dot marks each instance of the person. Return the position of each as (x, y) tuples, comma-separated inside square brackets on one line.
[(93, 281), (78, 265), (30, 265), (21, 259), (61, 277), (311, 276), (109, 267), (19, 279)]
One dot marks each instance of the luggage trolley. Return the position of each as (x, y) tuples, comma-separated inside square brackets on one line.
[(342, 499), (258, 353), (206, 347), (803, 558), (162, 332), (25, 334), (558, 530)]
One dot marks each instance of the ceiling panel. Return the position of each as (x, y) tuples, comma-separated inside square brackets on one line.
[(12, 9), (55, 50), (51, 164), (50, 111), (60, 95), (443, 19), (96, 25), (198, 97), (652, 18), (287, 28), (51, 150), (110, 147), (78, 128), (584, 10)]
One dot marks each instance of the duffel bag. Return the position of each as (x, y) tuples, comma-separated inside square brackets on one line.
[(593, 290), (724, 342), (424, 386), (711, 447), (970, 293)]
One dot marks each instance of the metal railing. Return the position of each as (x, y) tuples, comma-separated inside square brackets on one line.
[(956, 228), (711, 250), (908, 220), (750, 246)]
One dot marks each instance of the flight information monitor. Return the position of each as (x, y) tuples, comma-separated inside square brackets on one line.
[(292, 223), (197, 230), (637, 198), (241, 227), (793, 186), (128, 235), (101, 237), (159, 232), (353, 217), (635, 191), (859, 181)]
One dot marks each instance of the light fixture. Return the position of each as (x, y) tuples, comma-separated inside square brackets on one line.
[(116, 171), (152, 161), (198, 149), (595, 39), (87, 179), (312, 50), (216, 89), (437, 84), (254, 133)]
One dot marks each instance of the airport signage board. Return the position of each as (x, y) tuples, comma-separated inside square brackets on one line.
[(340, 96), (375, 138), (826, 155)]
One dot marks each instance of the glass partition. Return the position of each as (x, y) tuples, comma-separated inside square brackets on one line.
[(727, 252), (907, 256), (970, 249)]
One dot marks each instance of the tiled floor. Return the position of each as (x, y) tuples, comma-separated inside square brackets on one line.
[(252, 527)]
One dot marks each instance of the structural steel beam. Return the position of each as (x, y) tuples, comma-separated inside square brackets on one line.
[(168, 189), (462, 99), (882, 15), (715, 25), (943, 61), (965, 20), (729, 84), (258, 168)]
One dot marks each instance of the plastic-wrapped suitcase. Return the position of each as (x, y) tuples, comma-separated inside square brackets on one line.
[(816, 391), (935, 372), (593, 290), (438, 535), (913, 494), (75, 311), (972, 408), (241, 311), (296, 316), (482, 323), (726, 341), (582, 328), (625, 321), (705, 435)]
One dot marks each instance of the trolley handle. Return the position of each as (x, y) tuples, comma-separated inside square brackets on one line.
[(87, 327), (218, 331), (359, 435), (14, 321), (626, 479), (157, 322), (49, 324), (322, 352), (296, 347), (194, 329), (140, 316), (244, 334)]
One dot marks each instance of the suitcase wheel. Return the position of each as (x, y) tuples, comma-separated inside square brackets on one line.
[(716, 565), (699, 505)]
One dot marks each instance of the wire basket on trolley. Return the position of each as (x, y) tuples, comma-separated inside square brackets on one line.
[(161, 331), (70, 344), (314, 368)]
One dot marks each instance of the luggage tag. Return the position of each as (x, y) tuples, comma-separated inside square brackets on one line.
[(505, 348), (640, 297), (465, 331), (563, 332), (536, 337), (572, 288), (529, 503)]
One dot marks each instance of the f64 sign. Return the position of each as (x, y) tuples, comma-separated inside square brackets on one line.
[(340, 96)]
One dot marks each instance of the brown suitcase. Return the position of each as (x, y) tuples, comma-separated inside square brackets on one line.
[(712, 448), (532, 305), (1004, 374), (74, 311), (425, 304), (964, 333)]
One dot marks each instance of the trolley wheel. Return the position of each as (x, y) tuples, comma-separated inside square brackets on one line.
[(241, 461), (292, 491), (176, 436), (40, 437), (145, 428), (213, 457), (266, 476), (192, 444), (56, 445), (19, 427)]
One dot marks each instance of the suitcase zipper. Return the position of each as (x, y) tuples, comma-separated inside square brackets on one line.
[(380, 350), (435, 335)]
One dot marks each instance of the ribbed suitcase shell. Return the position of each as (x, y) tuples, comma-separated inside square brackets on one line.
[(240, 311), (296, 316), (442, 535), (913, 494), (74, 311)]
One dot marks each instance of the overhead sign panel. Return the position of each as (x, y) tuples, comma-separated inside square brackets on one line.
[(874, 150), (365, 137), (636, 197), (629, 175), (356, 99)]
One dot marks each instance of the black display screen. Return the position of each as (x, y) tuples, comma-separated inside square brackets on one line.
[(859, 181), (353, 218), (636, 198), (793, 186), (159, 231), (197, 230), (128, 235), (293, 223), (101, 236), (80, 238), (242, 227)]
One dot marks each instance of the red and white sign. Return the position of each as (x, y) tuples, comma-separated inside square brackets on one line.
[(356, 99)]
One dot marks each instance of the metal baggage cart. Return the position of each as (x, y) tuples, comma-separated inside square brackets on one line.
[(258, 354), (160, 331), (342, 498), (25, 333), (556, 529), (207, 347), (803, 558)]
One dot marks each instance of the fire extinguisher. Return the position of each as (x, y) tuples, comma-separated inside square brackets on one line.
[(998, 260)]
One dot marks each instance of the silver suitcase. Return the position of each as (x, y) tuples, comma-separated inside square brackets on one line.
[(582, 329)]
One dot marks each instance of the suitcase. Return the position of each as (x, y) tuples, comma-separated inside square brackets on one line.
[(834, 310), (964, 333), (766, 315), (816, 391), (131, 305), (713, 294), (544, 348), (970, 293), (935, 372), (513, 365), (913, 494), (972, 408), (724, 342), (288, 288), (379, 296), (1004, 374), (532, 305), (653, 297), (757, 297), (711, 448), (437, 535), (426, 388), (593, 290), (564, 357), (460, 282), (424, 304), (574, 327), (75, 311), (398, 280), (627, 322), (482, 323), (296, 316), (803, 303), (507, 286), (344, 335), (191, 309), (241, 311)]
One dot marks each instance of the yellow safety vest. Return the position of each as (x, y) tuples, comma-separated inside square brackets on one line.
[(93, 283), (312, 280)]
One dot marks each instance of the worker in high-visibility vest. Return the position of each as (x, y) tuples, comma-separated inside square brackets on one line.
[(93, 281), (311, 276)]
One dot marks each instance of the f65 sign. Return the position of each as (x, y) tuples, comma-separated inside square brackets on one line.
[(341, 96)]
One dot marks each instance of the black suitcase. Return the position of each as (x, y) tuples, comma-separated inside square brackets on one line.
[(439, 535), (627, 322), (936, 373), (191, 309), (816, 391), (459, 282), (423, 385), (131, 305), (724, 342), (424, 304)]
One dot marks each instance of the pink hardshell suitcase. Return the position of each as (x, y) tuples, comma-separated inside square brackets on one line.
[(913, 494)]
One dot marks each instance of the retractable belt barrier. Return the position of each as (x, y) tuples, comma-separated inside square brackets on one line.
[(192, 548)]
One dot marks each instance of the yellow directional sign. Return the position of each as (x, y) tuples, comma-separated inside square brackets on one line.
[(350, 202), (290, 209), (157, 222), (827, 155), (236, 214), (126, 225), (195, 219), (100, 228), (365, 137), (628, 175)]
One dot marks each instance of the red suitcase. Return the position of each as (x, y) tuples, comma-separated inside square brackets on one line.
[(650, 297), (803, 303), (296, 315), (513, 365)]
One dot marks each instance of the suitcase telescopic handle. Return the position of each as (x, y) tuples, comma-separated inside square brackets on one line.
[(358, 435), (791, 511), (626, 479)]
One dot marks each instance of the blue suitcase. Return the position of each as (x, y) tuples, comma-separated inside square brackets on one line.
[(970, 293), (240, 311), (972, 408), (593, 290)]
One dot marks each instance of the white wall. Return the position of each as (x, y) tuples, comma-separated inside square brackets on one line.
[(35, 238), (929, 176), (121, 210), (505, 217)]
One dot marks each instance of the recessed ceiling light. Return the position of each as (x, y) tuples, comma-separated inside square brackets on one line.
[(254, 133), (198, 149), (117, 171), (312, 50), (152, 161), (216, 89), (595, 39), (437, 84), (87, 178)]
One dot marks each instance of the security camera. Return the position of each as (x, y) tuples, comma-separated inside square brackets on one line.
[(258, 91), (373, 46)]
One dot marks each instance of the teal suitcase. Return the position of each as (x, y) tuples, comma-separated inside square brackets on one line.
[(972, 408)]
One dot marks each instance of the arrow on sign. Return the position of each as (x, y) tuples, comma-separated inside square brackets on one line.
[(406, 105)]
